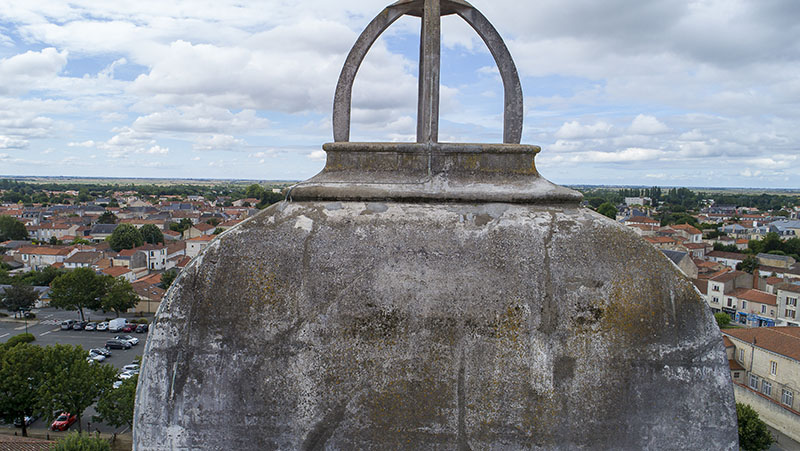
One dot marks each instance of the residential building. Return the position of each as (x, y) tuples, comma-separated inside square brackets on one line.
[(721, 287), (198, 229), (683, 261), (195, 245), (770, 359), (38, 257), (755, 308), (787, 297), (777, 261), (121, 272), (729, 259), (86, 259)]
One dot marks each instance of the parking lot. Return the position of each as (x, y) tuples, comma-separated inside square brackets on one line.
[(46, 327)]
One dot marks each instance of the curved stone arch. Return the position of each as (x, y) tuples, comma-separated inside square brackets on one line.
[(342, 101), (513, 103)]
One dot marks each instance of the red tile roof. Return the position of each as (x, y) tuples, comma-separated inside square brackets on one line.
[(116, 271), (727, 276), (761, 297), (780, 340), (687, 228), (727, 255)]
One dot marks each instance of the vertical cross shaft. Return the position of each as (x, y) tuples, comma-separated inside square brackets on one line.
[(429, 68)]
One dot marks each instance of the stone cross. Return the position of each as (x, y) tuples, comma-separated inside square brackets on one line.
[(431, 12)]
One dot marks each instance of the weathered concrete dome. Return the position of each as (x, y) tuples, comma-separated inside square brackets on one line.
[(358, 325), (433, 296)]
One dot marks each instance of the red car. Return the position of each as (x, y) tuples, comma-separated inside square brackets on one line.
[(63, 422), (129, 328)]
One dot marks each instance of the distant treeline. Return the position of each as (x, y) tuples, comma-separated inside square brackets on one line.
[(29, 193), (684, 199)]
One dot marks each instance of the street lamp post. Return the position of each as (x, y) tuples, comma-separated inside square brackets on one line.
[(22, 312)]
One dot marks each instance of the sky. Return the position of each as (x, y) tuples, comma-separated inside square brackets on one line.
[(619, 92)]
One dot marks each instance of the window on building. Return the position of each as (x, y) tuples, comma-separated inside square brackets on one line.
[(766, 388), (787, 397), (714, 287), (791, 301), (744, 304), (730, 302), (773, 367), (715, 300), (754, 382), (763, 309), (741, 355), (736, 375)]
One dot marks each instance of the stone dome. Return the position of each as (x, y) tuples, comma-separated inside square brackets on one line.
[(432, 296)]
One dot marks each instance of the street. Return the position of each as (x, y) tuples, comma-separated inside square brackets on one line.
[(46, 327)]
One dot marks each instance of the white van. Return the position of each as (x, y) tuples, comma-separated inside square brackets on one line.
[(116, 325)]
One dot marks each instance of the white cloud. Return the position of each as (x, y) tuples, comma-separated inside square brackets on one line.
[(627, 155), (218, 142), (199, 119), (748, 173), (576, 130), (12, 143), (647, 125), (26, 71), (318, 155)]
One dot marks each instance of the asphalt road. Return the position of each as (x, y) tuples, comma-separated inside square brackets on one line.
[(46, 327)]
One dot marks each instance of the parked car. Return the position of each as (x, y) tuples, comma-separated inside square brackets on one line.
[(126, 375), (28, 421), (132, 340), (134, 367), (102, 351), (63, 422), (96, 357), (142, 328), (102, 327), (90, 326), (129, 328), (67, 324), (117, 384), (118, 344), (79, 325)]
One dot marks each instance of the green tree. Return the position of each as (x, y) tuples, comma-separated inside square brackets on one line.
[(19, 297), (723, 319), (55, 241), (254, 191), (107, 218), (115, 407), (125, 236), (213, 221), (725, 247), (608, 209), (78, 289), (78, 442), (21, 379), (15, 340), (167, 277), (151, 234), (12, 229), (753, 432), (749, 265), (181, 226), (119, 296), (73, 383)]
